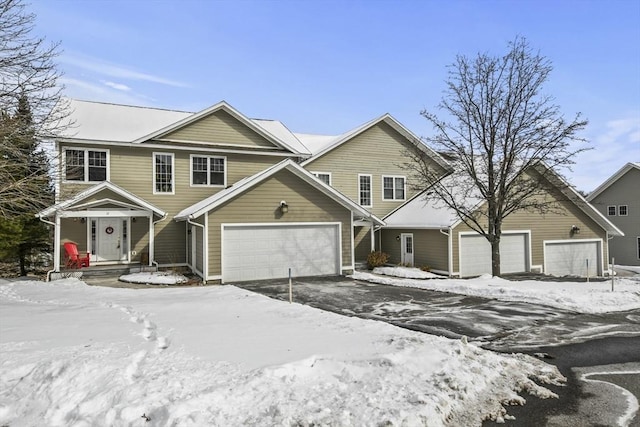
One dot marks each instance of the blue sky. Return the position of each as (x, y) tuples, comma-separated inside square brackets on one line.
[(327, 66)]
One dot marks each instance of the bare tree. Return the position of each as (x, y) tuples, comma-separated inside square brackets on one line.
[(27, 74), (499, 127)]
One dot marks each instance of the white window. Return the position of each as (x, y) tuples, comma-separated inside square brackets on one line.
[(364, 190), (163, 173), (323, 176), (623, 210), (83, 165), (611, 210), (393, 187), (208, 171)]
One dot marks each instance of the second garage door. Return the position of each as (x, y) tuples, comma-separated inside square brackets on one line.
[(258, 252), (475, 254), (573, 258)]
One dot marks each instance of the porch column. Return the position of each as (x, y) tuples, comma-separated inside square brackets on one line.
[(56, 244), (151, 240), (373, 238)]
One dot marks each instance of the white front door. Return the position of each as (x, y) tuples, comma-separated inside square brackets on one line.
[(108, 242), (406, 256)]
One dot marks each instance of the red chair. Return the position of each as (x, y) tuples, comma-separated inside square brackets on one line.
[(72, 258)]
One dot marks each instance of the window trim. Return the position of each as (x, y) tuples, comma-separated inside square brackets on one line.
[(208, 157), (609, 210), (370, 205), (626, 210), (173, 173), (86, 164), (404, 188), (323, 173), (638, 242)]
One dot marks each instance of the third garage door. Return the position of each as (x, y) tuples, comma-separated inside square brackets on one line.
[(258, 252), (571, 257)]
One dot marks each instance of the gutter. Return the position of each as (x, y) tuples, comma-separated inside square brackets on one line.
[(204, 252), (54, 249)]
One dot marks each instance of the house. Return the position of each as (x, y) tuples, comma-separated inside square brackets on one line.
[(234, 198), (618, 198), (569, 239)]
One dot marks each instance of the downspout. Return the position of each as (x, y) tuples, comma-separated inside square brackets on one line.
[(152, 249), (449, 235), (56, 247), (204, 252)]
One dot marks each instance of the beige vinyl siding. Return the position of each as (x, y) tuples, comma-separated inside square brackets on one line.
[(625, 191), (220, 128), (377, 151), (430, 247), (362, 243), (132, 170), (554, 225), (139, 238), (261, 205), (73, 231)]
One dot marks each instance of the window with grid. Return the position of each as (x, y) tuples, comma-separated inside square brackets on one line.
[(365, 190), (163, 173), (207, 170), (85, 165), (393, 187), (623, 210), (611, 210), (323, 176)]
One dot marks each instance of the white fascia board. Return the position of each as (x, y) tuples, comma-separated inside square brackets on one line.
[(609, 182)]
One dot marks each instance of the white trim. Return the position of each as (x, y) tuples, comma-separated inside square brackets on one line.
[(615, 210), (353, 249), (85, 181), (208, 157), (109, 213), (370, 190), (205, 246), (315, 173), (403, 236), (626, 210), (346, 267), (173, 173), (450, 252), (404, 188), (600, 241), (616, 176), (279, 224)]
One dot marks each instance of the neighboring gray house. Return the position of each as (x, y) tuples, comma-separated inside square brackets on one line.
[(618, 198)]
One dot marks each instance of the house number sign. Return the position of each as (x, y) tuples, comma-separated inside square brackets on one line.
[(109, 230)]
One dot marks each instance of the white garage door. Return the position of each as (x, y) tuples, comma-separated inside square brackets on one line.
[(571, 257), (257, 252), (475, 254)]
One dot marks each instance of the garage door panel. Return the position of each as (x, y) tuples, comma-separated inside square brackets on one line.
[(256, 252), (572, 258), (475, 254)]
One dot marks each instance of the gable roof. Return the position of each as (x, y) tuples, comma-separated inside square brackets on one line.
[(322, 145), (260, 129), (247, 183), (420, 213), (106, 185), (615, 177)]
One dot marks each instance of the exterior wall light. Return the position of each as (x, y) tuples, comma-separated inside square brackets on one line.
[(284, 208), (575, 229), (397, 238)]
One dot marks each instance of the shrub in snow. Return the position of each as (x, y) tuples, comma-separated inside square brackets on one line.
[(376, 259)]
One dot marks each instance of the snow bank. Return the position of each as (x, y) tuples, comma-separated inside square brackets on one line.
[(593, 297), (406, 272), (84, 355), (154, 278)]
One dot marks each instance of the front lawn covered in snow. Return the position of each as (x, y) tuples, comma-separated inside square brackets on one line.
[(81, 355), (582, 297)]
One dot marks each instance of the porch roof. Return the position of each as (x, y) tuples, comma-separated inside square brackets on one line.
[(133, 201)]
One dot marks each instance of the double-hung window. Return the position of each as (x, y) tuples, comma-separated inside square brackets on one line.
[(83, 165), (623, 210), (163, 173), (208, 170), (323, 176), (611, 210), (364, 190), (393, 187)]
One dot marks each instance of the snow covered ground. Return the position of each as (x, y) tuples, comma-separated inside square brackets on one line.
[(78, 355), (593, 297), (155, 278)]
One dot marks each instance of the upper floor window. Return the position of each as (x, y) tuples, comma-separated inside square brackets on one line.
[(208, 170), (611, 210), (364, 190), (623, 210), (323, 176), (393, 187), (163, 173), (83, 165)]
